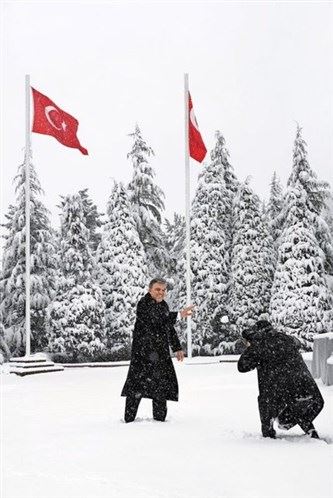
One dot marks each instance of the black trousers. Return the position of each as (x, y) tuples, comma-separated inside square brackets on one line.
[(132, 405), (300, 412)]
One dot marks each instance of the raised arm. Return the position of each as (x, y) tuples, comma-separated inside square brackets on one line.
[(249, 360)]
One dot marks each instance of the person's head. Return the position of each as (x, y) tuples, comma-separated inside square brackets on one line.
[(157, 289), (259, 328), (247, 335)]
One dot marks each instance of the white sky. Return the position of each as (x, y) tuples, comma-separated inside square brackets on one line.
[(254, 69)]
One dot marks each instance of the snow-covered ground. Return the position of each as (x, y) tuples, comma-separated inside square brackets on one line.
[(63, 437)]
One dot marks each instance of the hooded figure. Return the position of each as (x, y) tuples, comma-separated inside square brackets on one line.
[(287, 390), (151, 373)]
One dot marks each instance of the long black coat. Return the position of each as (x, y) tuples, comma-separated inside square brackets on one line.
[(283, 377), (151, 373)]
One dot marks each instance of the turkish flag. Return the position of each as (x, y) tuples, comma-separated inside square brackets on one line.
[(49, 119), (196, 144)]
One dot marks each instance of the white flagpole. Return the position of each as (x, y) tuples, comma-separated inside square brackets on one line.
[(27, 214), (187, 215)]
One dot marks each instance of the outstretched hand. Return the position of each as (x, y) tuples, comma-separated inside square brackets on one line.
[(187, 311)]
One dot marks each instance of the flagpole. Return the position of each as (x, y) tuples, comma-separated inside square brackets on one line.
[(27, 214), (187, 215)]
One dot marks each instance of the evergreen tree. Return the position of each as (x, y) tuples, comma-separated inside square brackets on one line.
[(220, 155), (211, 243), (93, 219), (328, 214), (252, 261), (274, 208), (328, 218), (209, 255), (177, 300), (300, 304), (220, 158), (147, 201), (42, 265), (317, 195), (121, 272), (76, 323), (4, 349), (175, 233)]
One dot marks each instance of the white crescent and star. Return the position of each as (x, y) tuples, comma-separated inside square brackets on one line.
[(47, 110), (193, 119)]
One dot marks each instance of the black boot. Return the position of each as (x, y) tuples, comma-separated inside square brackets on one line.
[(309, 429), (131, 407), (267, 428), (268, 431), (159, 409), (314, 434)]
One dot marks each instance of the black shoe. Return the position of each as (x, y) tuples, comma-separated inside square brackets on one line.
[(310, 430), (268, 429), (129, 419), (313, 434), (270, 433)]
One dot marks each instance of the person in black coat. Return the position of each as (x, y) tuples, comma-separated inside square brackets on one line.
[(287, 390), (151, 373)]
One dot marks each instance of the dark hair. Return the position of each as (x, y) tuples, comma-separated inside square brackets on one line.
[(258, 327), (248, 334), (157, 281), (261, 325)]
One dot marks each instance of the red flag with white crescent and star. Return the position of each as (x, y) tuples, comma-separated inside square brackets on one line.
[(49, 119), (197, 147)]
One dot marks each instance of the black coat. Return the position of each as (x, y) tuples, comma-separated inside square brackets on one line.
[(151, 373), (283, 377)]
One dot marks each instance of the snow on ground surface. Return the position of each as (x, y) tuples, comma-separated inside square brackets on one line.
[(63, 437)]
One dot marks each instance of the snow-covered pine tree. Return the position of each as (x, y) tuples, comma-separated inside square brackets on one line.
[(328, 214), (220, 155), (216, 334), (177, 298), (328, 218), (301, 304), (43, 266), (220, 158), (268, 258), (252, 261), (147, 201), (93, 219), (76, 322), (209, 256), (4, 349), (274, 208), (121, 272), (317, 195), (175, 246)]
